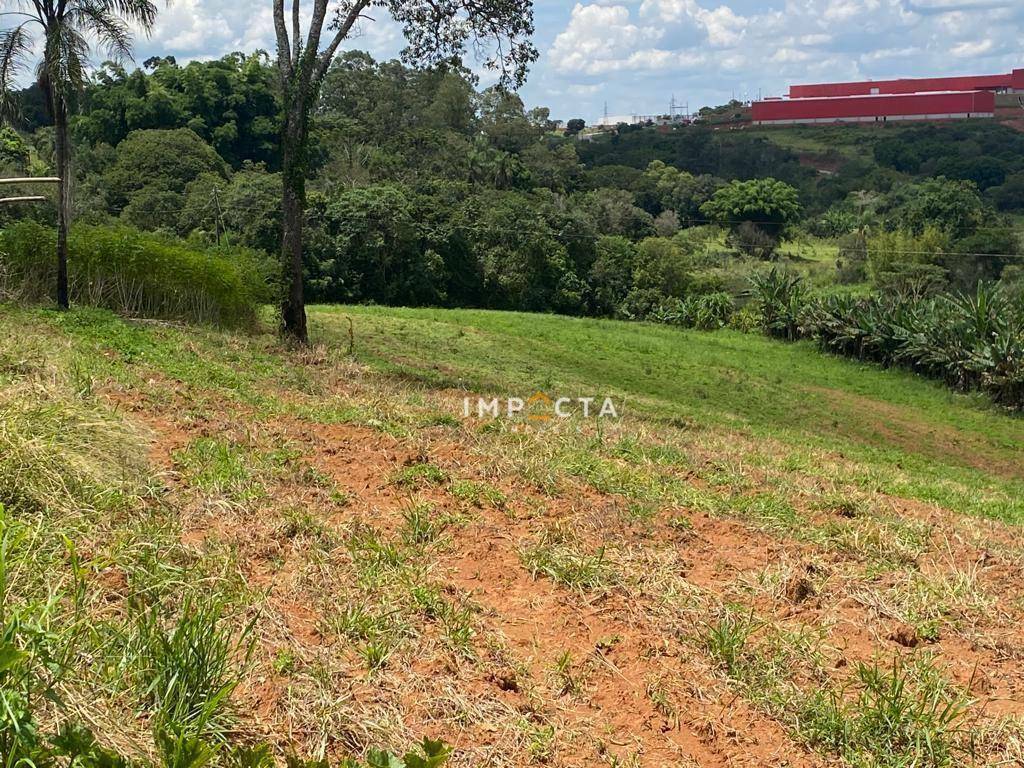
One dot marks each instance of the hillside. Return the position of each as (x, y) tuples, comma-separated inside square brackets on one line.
[(827, 162), (772, 557)]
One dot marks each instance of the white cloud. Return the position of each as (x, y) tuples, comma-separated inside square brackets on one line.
[(815, 39), (789, 55), (602, 38), (890, 53), (724, 27), (971, 48), (579, 89)]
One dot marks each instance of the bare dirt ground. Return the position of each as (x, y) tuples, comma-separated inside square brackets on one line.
[(545, 595)]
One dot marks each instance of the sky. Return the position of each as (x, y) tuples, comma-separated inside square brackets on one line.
[(635, 55)]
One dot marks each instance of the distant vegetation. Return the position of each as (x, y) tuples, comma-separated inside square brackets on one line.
[(426, 191), (969, 341), (134, 273)]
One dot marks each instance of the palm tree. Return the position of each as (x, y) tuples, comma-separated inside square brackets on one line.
[(67, 29)]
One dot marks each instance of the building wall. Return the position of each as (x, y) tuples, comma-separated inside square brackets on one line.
[(937, 106), (1013, 81), (887, 119)]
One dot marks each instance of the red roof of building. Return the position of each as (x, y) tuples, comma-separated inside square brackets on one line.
[(891, 105), (1013, 80)]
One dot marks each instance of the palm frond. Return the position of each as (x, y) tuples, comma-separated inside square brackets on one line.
[(15, 46), (140, 13), (64, 58), (112, 33)]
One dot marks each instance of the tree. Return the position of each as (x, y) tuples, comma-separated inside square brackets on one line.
[(574, 126), (664, 187), (613, 213), (67, 26), (160, 164), (611, 275), (766, 205), (953, 206), (1009, 196), (436, 30), (14, 151)]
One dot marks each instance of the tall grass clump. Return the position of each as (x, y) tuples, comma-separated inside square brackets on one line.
[(60, 457), (38, 642), (187, 671), (136, 274), (903, 715)]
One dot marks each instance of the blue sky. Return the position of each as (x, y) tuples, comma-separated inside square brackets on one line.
[(636, 54)]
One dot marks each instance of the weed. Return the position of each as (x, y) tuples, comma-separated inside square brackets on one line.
[(375, 557), (726, 639), (376, 654), (219, 468), (564, 563), (540, 742), (458, 628), (681, 523), (284, 661), (356, 623), (658, 693), (421, 526), (300, 522), (478, 494), (770, 511), (927, 601), (421, 474), (841, 505), (903, 715), (567, 679), (885, 543), (186, 672)]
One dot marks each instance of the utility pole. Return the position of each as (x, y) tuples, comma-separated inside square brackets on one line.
[(216, 203)]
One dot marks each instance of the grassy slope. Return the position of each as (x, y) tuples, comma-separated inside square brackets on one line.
[(732, 549), (913, 436)]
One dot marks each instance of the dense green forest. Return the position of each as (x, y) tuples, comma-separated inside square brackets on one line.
[(427, 190)]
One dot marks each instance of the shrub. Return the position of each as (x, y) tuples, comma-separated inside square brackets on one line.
[(779, 297), (887, 249), (851, 265), (705, 312), (835, 222), (969, 341), (919, 280), (137, 274), (752, 240)]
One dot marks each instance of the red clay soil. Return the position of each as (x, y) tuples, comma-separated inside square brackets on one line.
[(622, 642)]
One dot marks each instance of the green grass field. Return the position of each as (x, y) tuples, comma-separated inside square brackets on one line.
[(911, 436)]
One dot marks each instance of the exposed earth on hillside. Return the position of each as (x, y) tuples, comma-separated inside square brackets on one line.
[(570, 594)]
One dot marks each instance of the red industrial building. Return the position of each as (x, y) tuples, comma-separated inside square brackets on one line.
[(875, 109), (881, 101), (1010, 83)]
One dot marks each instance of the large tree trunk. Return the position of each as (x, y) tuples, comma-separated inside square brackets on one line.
[(293, 308), (62, 147)]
